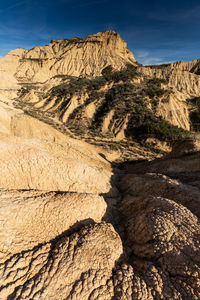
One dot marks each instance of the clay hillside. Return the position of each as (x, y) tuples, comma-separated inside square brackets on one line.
[(100, 174)]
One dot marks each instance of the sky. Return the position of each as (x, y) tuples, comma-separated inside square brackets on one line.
[(156, 32)]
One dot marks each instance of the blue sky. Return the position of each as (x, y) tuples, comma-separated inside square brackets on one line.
[(156, 31)]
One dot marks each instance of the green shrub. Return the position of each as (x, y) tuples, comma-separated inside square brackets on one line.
[(154, 88), (121, 98), (150, 125), (124, 75), (153, 91), (77, 84)]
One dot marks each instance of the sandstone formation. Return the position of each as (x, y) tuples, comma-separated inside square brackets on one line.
[(40, 69), (161, 243), (157, 185), (78, 103), (14, 123), (184, 80), (30, 218), (88, 56), (161, 220), (100, 174), (74, 267), (163, 237), (26, 165)]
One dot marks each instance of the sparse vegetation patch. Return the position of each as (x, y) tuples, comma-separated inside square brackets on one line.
[(195, 113), (77, 85), (154, 88), (124, 75)]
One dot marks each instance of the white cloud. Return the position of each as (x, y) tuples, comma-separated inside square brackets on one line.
[(142, 53), (153, 61), (145, 57)]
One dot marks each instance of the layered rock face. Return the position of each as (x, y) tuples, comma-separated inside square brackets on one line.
[(81, 216), (42, 68), (183, 78), (87, 57), (51, 214), (166, 92)]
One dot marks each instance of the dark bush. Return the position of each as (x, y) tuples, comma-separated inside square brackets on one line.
[(150, 125), (157, 81), (121, 98), (154, 88), (77, 85), (195, 113), (124, 75)]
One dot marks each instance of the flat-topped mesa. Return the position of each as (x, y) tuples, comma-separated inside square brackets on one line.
[(76, 57)]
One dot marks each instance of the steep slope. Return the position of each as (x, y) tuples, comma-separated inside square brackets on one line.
[(8, 68), (184, 80), (118, 105), (77, 57), (104, 221), (57, 76)]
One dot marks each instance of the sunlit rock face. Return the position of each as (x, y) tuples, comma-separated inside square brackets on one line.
[(87, 210), (76, 57)]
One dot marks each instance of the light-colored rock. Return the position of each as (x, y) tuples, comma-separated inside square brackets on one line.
[(107, 120), (175, 110), (184, 83), (158, 185), (51, 245), (8, 67), (29, 218), (32, 165), (72, 104), (181, 76), (164, 239), (161, 219), (14, 122), (75, 267), (36, 156), (88, 56)]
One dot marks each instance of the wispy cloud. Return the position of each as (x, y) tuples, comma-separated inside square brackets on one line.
[(153, 61), (142, 53), (146, 58)]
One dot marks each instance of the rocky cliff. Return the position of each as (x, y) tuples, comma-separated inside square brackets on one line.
[(48, 76), (100, 174), (76, 57)]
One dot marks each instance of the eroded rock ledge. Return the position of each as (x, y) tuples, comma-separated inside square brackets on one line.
[(44, 256)]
